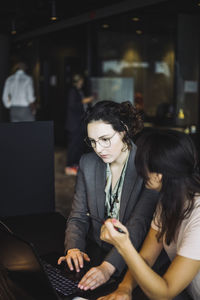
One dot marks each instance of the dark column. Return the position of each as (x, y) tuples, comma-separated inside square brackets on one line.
[(4, 63), (188, 70)]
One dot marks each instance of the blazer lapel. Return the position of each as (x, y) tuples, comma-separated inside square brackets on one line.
[(100, 182), (129, 182)]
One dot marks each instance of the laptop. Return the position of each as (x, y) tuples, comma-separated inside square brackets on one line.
[(27, 275)]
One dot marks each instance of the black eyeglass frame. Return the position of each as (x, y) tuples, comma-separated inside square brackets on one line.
[(89, 142)]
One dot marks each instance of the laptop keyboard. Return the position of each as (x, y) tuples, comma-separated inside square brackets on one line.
[(61, 284)]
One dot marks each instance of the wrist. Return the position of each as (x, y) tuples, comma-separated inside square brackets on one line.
[(125, 288), (124, 248), (108, 267), (72, 249)]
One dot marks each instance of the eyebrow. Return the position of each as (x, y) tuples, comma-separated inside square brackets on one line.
[(103, 136)]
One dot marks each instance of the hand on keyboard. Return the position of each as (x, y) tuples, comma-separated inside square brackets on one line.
[(75, 259), (96, 276)]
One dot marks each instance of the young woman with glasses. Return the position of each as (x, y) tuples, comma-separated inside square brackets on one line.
[(107, 186), (167, 160)]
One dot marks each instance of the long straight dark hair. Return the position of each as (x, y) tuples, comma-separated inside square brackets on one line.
[(174, 155)]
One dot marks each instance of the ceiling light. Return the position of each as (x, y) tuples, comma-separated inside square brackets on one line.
[(53, 11), (135, 19)]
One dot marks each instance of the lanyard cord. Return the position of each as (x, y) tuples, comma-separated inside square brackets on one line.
[(115, 200)]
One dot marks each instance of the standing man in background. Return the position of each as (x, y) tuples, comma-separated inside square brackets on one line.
[(18, 95), (76, 105)]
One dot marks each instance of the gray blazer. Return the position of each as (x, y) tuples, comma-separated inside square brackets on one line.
[(136, 208)]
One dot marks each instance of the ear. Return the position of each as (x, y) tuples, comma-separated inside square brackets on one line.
[(122, 133), (126, 127)]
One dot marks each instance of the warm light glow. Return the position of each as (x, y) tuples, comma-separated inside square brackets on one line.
[(198, 3), (53, 18), (139, 31), (131, 55), (105, 26), (135, 19), (13, 32), (29, 44)]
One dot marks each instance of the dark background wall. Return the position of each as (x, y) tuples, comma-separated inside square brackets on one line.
[(54, 55)]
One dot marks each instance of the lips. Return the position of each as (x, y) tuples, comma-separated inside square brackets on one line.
[(104, 156)]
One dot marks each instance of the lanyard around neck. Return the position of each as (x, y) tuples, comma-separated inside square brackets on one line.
[(116, 195)]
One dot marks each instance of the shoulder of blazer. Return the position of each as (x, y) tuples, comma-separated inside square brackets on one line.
[(132, 154), (131, 172), (92, 167), (89, 159)]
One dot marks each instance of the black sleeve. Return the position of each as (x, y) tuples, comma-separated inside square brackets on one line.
[(78, 221)]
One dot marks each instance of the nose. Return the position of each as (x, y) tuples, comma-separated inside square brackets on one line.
[(98, 148)]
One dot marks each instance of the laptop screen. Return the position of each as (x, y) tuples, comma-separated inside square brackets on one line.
[(23, 268), (21, 265)]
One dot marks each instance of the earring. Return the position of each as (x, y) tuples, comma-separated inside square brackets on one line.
[(125, 147)]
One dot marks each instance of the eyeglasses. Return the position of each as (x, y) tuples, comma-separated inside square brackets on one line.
[(103, 142)]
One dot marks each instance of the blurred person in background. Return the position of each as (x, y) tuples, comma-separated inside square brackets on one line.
[(18, 95), (76, 105)]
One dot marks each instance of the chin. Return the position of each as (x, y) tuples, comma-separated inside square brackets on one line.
[(107, 160)]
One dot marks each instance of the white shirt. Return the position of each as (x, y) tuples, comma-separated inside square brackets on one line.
[(187, 244), (18, 90)]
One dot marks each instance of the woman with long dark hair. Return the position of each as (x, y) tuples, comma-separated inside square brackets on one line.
[(167, 161), (107, 186)]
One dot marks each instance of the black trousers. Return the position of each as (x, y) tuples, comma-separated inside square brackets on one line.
[(139, 295), (183, 296)]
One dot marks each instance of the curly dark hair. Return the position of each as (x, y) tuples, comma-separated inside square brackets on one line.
[(122, 116), (172, 154)]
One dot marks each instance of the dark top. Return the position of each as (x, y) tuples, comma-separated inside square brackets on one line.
[(74, 109)]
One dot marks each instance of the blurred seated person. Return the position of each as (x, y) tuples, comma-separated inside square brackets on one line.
[(164, 114), (138, 101)]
